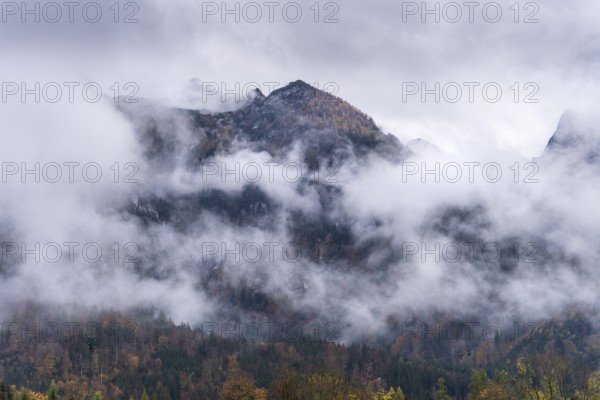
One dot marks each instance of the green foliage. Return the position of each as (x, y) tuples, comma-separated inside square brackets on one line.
[(440, 390), (391, 394), (479, 382), (324, 387), (53, 392)]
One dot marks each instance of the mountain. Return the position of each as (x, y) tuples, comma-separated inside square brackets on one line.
[(358, 302), (576, 140), (420, 146), (296, 122), (328, 128), (326, 219)]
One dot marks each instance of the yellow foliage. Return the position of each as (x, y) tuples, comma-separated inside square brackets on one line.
[(389, 395), (494, 392), (134, 361), (260, 394), (32, 395)]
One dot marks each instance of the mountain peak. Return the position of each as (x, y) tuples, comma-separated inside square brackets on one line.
[(256, 94), (420, 145), (327, 128), (576, 136), (294, 90), (300, 83)]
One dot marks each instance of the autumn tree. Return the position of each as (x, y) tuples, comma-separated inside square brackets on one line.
[(591, 388), (391, 394), (286, 386), (494, 392), (261, 394), (238, 384), (324, 387), (556, 376)]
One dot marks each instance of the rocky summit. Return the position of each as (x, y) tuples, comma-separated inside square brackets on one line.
[(326, 127)]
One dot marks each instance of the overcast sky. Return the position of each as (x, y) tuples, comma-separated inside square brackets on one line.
[(369, 56)]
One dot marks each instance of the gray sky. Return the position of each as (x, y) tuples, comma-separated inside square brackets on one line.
[(368, 55)]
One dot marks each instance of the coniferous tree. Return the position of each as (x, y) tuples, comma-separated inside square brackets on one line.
[(440, 391), (53, 392), (5, 392), (479, 382)]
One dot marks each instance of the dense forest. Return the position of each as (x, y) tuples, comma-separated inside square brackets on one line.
[(145, 356)]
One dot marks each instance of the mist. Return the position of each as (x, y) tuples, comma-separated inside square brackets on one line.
[(184, 266)]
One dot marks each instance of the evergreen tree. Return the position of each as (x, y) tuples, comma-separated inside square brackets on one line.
[(479, 382), (440, 391), (53, 392), (5, 392)]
